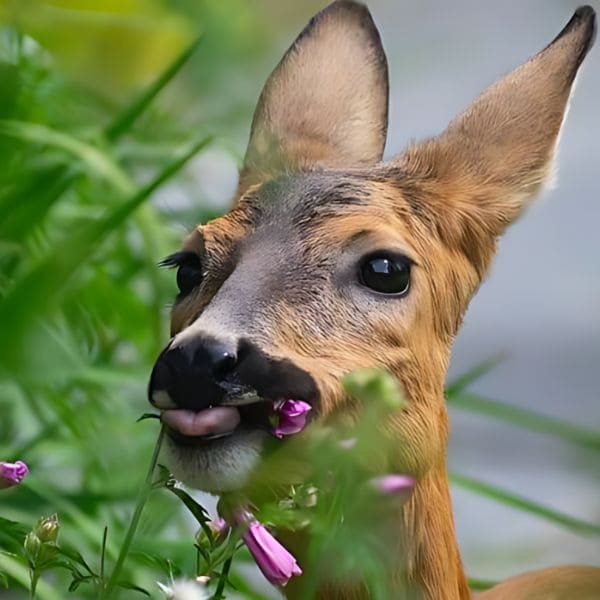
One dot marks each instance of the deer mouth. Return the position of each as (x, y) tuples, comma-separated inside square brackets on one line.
[(199, 428)]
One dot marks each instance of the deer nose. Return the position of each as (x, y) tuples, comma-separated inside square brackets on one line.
[(187, 375)]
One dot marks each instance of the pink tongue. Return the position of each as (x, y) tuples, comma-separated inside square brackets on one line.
[(220, 419)]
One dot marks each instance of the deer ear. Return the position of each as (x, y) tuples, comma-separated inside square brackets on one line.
[(326, 102), (494, 156)]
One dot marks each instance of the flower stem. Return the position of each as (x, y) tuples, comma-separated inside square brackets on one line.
[(34, 581), (223, 579), (143, 495)]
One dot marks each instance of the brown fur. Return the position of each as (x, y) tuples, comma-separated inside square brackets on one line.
[(313, 196)]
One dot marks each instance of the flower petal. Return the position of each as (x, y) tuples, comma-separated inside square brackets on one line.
[(12, 474), (275, 562), (291, 417), (394, 485)]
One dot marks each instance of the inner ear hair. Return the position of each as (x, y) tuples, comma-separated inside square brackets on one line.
[(326, 102)]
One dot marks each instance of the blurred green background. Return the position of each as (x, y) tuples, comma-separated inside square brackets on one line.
[(104, 115), (122, 123)]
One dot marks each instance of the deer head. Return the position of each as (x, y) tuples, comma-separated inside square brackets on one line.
[(332, 259)]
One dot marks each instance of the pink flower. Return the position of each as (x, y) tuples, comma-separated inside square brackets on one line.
[(394, 485), (219, 528), (290, 417), (275, 562), (12, 473)]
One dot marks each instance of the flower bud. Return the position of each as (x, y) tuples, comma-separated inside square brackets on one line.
[(47, 528), (401, 486), (290, 417), (220, 528), (12, 474), (275, 562), (32, 546)]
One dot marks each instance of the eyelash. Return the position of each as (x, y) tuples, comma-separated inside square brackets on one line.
[(178, 259)]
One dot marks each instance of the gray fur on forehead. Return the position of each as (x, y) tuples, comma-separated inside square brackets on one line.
[(302, 196)]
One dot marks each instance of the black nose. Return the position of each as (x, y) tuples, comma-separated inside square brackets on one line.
[(190, 373)]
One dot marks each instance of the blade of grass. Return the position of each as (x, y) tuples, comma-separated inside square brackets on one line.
[(527, 419), (478, 371), (126, 118), (143, 496), (26, 205), (97, 161), (21, 307), (519, 502)]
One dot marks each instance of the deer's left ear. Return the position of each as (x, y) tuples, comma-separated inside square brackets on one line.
[(326, 102), (493, 157)]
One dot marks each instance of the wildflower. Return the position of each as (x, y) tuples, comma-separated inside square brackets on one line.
[(219, 527), (40, 543), (275, 562), (12, 474), (290, 417), (184, 589), (394, 485)]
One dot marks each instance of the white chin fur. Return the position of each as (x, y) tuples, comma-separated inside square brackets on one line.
[(224, 466)]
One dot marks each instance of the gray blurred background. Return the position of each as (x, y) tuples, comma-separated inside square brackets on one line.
[(541, 303)]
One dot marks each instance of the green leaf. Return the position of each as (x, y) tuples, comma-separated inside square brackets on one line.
[(18, 571), (127, 585), (76, 557), (480, 585), (95, 160), (24, 205), (20, 309), (146, 416), (125, 120), (196, 509), (527, 419), (524, 504), (477, 372)]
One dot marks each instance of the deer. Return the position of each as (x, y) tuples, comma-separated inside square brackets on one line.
[(333, 259)]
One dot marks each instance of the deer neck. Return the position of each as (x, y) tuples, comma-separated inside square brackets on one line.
[(429, 548), (429, 563)]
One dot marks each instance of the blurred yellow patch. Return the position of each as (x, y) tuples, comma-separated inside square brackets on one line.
[(112, 45)]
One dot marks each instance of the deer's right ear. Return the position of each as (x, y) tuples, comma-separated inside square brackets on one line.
[(326, 102)]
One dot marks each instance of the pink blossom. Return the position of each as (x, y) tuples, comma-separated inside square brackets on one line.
[(12, 474), (219, 528), (290, 417), (394, 485), (275, 562)]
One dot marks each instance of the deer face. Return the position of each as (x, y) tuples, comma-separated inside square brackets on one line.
[(331, 260)]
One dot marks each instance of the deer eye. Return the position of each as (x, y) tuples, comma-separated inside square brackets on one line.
[(386, 273), (189, 270)]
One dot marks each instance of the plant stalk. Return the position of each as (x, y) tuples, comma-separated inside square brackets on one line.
[(223, 579), (135, 519)]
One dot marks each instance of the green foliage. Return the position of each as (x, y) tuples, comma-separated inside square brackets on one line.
[(84, 148)]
